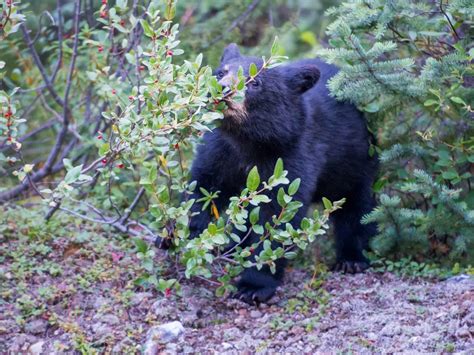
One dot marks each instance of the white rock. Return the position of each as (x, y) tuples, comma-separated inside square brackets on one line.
[(162, 334), (255, 314), (226, 346), (36, 348)]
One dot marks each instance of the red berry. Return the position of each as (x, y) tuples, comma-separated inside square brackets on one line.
[(114, 91), (104, 2), (131, 98), (104, 161), (169, 53), (120, 166), (103, 14), (8, 114), (100, 49), (122, 22), (1, 26), (99, 136), (9, 138), (141, 67), (251, 250), (176, 146), (168, 292)]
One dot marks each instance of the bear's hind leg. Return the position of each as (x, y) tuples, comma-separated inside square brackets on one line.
[(352, 237)]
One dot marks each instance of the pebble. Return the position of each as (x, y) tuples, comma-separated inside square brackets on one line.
[(36, 348), (110, 319), (161, 334), (255, 314), (101, 329), (36, 326), (139, 297)]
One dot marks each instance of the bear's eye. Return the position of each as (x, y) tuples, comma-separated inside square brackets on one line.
[(254, 83), (220, 75)]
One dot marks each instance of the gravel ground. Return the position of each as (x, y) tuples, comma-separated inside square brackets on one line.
[(74, 293), (366, 313)]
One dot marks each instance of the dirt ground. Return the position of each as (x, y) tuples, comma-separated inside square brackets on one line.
[(67, 295)]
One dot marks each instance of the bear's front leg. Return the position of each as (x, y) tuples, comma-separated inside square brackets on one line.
[(256, 286)]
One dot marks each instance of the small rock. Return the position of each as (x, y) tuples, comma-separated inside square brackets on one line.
[(36, 348), (468, 319), (459, 278), (297, 330), (36, 326), (139, 297), (255, 314), (391, 329), (371, 336), (463, 332), (101, 329), (189, 318), (18, 343), (100, 302), (226, 346), (188, 349), (163, 308), (162, 334), (110, 319), (171, 348), (232, 333)]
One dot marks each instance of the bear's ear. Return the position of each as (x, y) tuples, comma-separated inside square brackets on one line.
[(230, 52), (303, 78)]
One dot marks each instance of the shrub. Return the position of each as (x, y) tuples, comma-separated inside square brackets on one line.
[(408, 65)]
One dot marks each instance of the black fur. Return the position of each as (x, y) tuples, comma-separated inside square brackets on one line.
[(289, 114)]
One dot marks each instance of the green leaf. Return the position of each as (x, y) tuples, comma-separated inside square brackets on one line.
[(458, 100), (241, 84), (281, 197), (254, 215), (294, 186), (327, 204), (430, 102), (142, 247), (275, 47), (260, 199), (450, 174), (170, 10), (278, 171), (253, 179), (253, 70), (257, 228), (73, 174), (147, 28)]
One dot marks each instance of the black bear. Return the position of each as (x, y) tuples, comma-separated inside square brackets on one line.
[(288, 113)]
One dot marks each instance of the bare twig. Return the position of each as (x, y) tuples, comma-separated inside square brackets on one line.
[(134, 204), (39, 64), (48, 167), (453, 30), (248, 11)]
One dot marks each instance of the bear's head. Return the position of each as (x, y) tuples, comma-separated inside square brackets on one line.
[(272, 113)]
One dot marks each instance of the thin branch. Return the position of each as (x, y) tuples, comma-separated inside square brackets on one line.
[(134, 204), (236, 22), (453, 30), (39, 64), (48, 167)]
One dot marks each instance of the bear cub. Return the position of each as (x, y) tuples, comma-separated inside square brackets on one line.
[(288, 113)]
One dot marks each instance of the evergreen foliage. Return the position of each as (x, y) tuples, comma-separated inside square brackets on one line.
[(409, 66)]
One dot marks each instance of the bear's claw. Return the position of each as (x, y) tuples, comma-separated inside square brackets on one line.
[(351, 267), (252, 295)]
